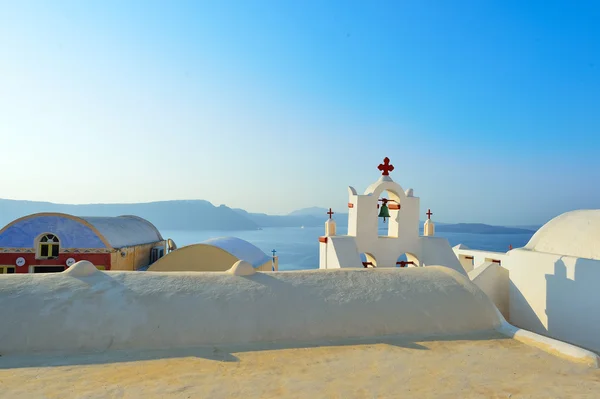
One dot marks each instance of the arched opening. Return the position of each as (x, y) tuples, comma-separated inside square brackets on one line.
[(408, 260), (47, 246), (388, 206), (368, 260)]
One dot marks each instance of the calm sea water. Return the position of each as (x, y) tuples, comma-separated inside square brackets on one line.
[(298, 248)]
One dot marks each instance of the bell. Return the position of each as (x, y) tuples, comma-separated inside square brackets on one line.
[(384, 212)]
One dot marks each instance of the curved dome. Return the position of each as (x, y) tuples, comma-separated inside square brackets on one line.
[(575, 233), (125, 231), (241, 249), (80, 232)]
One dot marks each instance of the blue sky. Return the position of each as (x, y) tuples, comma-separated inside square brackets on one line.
[(488, 110)]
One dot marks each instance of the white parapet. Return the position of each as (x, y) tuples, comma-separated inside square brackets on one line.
[(89, 310), (135, 310)]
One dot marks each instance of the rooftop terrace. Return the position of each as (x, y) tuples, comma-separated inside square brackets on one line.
[(479, 366)]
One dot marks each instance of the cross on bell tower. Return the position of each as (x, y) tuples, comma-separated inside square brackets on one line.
[(330, 225), (330, 213), (385, 167), (429, 228)]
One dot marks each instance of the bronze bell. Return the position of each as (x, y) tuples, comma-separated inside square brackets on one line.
[(384, 212)]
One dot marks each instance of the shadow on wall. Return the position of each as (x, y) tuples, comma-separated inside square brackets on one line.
[(524, 311), (573, 306)]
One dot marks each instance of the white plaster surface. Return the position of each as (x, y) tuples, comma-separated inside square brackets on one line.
[(549, 294), (429, 228), (330, 228), (241, 249), (460, 246), (129, 310), (555, 295), (575, 233), (493, 279), (479, 256), (242, 268), (81, 269), (562, 349), (342, 252)]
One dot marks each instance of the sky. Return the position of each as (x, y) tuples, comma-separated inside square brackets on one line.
[(489, 110)]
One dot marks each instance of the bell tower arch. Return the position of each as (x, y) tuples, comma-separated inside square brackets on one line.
[(384, 198)]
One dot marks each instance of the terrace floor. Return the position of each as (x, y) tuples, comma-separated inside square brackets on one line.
[(489, 366)]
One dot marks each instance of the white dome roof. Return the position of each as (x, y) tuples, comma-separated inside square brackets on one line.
[(241, 249), (575, 233)]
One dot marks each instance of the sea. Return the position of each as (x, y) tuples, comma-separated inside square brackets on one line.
[(298, 248)]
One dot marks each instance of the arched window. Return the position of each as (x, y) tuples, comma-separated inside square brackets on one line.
[(407, 260), (48, 246), (368, 260), (388, 206)]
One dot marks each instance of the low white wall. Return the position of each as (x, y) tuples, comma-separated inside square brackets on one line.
[(479, 257), (115, 310), (494, 280), (553, 295), (437, 251), (342, 253)]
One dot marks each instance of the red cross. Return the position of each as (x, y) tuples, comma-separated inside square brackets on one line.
[(429, 213), (385, 167), (403, 263), (330, 213)]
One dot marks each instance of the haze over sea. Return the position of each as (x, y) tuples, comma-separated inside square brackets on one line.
[(298, 248)]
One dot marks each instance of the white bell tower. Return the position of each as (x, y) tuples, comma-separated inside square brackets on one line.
[(330, 225), (429, 228)]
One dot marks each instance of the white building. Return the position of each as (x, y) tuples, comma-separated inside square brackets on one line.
[(552, 285), (403, 238)]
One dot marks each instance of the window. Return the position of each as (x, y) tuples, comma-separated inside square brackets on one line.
[(48, 269), (156, 253), (7, 269), (48, 246)]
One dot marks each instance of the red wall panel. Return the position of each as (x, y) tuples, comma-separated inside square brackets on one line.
[(10, 259)]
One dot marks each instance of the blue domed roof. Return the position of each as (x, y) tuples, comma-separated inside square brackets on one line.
[(241, 249), (80, 232)]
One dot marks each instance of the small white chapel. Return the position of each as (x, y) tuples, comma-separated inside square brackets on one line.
[(401, 212)]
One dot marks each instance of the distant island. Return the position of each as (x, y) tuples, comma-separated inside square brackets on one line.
[(202, 215)]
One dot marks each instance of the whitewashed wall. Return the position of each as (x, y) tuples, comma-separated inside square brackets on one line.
[(115, 310), (494, 280), (553, 295)]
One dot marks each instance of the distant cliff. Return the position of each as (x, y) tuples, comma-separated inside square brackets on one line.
[(310, 217), (202, 215), (166, 215), (479, 228)]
